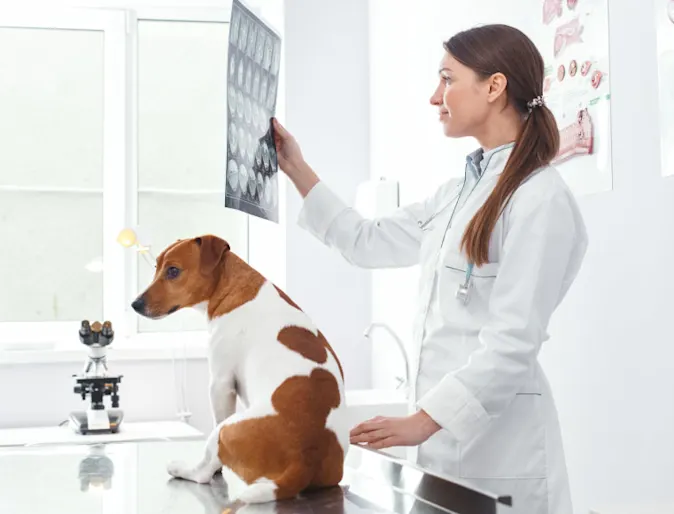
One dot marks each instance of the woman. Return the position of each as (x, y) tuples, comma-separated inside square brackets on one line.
[(498, 250)]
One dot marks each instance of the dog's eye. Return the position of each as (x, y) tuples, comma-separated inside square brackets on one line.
[(172, 272)]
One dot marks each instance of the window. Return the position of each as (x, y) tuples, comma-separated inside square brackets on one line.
[(182, 114), (116, 119), (51, 173)]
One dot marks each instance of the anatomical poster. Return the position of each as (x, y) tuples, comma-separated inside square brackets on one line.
[(664, 19), (573, 37), (252, 85)]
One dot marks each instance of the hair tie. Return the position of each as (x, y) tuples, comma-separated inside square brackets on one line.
[(536, 102)]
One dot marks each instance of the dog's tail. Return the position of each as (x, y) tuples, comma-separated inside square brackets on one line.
[(295, 479)]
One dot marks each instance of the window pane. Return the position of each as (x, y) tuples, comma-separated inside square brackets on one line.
[(50, 241), (180, 217), (182, 105), (51, 100), (51, 162), (182, 145)]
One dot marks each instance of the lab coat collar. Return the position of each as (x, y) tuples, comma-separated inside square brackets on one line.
[(490, 162)]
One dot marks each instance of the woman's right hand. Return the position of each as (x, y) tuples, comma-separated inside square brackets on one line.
[(290, 157), (291, 161)]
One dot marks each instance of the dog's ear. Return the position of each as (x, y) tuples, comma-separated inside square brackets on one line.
[(213, 250)]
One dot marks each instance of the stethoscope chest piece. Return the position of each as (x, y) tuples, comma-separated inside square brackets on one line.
[(463, 293)]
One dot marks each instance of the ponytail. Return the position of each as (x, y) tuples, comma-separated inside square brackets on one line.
[(536, 146)]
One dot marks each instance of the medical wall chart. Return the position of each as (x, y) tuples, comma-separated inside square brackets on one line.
[(573, 37), (664, 23), (252, 86)]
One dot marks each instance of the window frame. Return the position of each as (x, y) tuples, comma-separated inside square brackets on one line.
[(34, 342), (114, 24)]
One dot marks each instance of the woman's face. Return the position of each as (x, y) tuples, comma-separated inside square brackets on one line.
[(461, 98)]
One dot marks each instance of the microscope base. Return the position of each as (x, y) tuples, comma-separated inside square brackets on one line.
[(79, 422)]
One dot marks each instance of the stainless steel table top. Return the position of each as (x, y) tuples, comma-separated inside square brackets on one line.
[(131, 478)]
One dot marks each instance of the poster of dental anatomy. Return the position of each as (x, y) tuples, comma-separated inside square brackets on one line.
[(664, 19), (252, 85), (573, 37)]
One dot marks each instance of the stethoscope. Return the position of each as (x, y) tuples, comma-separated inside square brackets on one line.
[(424, 224), (462, 293)]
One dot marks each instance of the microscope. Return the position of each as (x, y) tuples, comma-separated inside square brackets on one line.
[(95, 381)]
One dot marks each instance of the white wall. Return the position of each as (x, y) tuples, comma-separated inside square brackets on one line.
[(326, 59), (610, 357)]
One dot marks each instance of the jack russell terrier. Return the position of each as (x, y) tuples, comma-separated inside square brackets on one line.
[(293, 434)]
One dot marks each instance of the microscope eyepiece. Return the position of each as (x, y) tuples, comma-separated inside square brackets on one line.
[(107, 329), (85, 329)]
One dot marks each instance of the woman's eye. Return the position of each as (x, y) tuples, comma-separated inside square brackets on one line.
[(447, 81), (172, 272)]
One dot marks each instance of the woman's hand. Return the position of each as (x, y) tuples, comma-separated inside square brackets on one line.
[(290, 157), (380, 432), (291, 161)]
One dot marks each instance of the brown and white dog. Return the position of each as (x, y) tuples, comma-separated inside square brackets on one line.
[(292, 435)]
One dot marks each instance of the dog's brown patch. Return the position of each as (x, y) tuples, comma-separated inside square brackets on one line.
[(162, 255), (286, 298), (310, 456), (239, 284), (304, 343)]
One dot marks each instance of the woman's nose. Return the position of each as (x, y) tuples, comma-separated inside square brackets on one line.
[(436, 99)]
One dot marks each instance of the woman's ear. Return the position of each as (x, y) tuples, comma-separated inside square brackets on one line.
[(498, 84)]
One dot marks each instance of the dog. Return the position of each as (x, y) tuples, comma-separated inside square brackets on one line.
[(263, 349)]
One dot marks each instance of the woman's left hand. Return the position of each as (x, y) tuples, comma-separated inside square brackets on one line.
[(381, 432)]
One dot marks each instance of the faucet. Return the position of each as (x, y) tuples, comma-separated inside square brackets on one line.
[(401, 347)]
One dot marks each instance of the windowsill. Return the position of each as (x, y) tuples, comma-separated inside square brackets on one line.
[(143, 347)]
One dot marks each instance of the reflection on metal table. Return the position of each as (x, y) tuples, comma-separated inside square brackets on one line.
[(131, 478)]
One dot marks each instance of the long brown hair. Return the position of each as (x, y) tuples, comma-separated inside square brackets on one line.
[(491, 49)]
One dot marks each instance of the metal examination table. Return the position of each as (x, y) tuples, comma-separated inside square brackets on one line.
[(131, 478)]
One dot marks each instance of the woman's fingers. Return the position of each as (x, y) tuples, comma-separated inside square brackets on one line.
[(280, 129), (371, 436), (387, 442), (367, 426)]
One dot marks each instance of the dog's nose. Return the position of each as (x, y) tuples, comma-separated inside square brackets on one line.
[(138, 304)]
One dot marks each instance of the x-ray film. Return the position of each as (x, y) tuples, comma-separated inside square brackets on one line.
[(252, 85)]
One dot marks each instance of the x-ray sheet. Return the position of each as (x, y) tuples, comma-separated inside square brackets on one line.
[(252, 86)]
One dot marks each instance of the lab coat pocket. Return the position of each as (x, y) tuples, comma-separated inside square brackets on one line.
[(512, 446), (473, 311)]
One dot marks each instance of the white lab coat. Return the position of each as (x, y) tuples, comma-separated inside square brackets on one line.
[(476, 367)]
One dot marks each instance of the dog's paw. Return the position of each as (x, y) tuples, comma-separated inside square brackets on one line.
[(178, 469)]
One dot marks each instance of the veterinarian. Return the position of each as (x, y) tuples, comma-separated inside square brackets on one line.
[(498, 251)]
